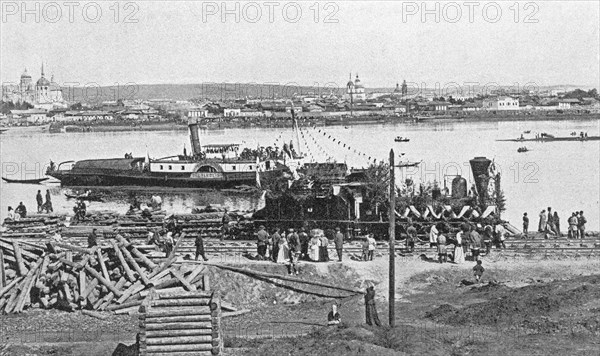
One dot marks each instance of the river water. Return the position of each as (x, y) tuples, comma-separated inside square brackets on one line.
[(561, 175)]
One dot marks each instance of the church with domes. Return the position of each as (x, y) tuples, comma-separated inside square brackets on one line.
[(44, 94), (355, 90)]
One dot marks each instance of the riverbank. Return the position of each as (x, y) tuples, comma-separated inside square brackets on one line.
[(241, 123)]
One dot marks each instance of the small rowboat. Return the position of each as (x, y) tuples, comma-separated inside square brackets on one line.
[(91, 197), (401, 139), (24, 181)]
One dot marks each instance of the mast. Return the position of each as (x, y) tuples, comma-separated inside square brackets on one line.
[(295, 128)]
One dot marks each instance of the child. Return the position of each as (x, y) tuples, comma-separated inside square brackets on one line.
[(478, 271)]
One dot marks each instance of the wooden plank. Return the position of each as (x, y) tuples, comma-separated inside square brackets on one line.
[(179, 340), (8, 287), (180, 311), (134, 288), (179, 319), (180, 302), (137, 253), (178, 326)]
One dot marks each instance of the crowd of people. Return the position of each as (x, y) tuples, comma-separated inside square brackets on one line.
[(549, 225), (21, 210), (292, 247), (470, 242)]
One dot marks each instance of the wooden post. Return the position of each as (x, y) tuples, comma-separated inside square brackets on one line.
[(2, 271), (128, 271), (135, 265), (392, 218), (102, 265)]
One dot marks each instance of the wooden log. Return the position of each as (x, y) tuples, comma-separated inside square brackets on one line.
[(94, 314), (102, 265), (82, 288), (135, 303), (11, 301), (2, 270), (180, 353), (178, 319), (181, 311), (177, 326), (151, 349), (177, 290), (8, 245), (8, 287), (89, 288), (130, 310), (195, 272), (21, 269), (137, 253), (136, 267), (134, 288), (180, 302), (102, 280), (128, 271), (205, 282), (27, 285), (183, 281), (185, 295), (179, 340), (156, 276), (105, 302), (235, 313), (250, 272), (72, 248), (170, 333)]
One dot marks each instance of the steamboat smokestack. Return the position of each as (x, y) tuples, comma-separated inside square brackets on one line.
[(194, 137)]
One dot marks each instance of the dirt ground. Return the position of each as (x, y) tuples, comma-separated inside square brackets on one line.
[(522, 307)]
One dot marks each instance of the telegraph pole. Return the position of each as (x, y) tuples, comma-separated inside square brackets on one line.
[(392, 231)]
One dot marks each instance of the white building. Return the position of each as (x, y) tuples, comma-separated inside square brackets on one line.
[(501, 103), (355, 91), (45, 94)]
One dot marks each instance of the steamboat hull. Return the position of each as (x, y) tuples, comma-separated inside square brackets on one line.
[(72, 179)]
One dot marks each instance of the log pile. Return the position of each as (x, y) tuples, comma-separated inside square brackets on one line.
[(114, 277), (181, 324), (37, 225)]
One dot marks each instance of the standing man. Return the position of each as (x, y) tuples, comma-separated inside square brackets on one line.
[(370, 310), (225, 226), (200, 247), (93, 239), (433, 235), (525, 225), (573, 226), (581, 221), (323, 248), (372, 244), (411, 237), (275, 239), (303, 237), (263, 238), (294, 252), (542, 224), (48, 203), (338, 239), (40, 201)]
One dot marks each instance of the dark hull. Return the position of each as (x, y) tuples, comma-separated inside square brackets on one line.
[(25, 181), (148, 180), (552, 139)]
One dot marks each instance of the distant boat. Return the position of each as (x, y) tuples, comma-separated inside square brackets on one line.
[(408, 164), (25, 181), (522, 149), (88, 197), (3, 130), (401, 139), (527, 132)]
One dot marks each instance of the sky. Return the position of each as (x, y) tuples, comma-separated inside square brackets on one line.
[(308, 43)]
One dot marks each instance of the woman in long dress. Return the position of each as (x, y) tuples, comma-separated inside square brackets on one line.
[(315, 244), (282, 255), (459, 253)]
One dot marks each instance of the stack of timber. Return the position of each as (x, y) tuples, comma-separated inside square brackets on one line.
[(36, 225), (181, 324), (114, 277), (130, 226)]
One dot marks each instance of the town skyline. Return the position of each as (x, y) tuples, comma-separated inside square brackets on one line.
[(168, 46)]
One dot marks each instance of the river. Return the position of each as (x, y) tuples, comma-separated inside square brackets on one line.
[(561, 175)]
